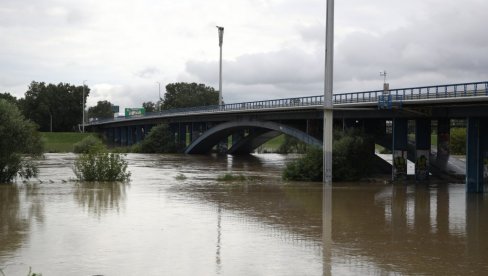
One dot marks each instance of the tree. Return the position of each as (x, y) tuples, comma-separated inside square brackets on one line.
[(7, 96), (103, 109), (159, 140), (184, 94), (149, 106), (18, 137), (54, 106)]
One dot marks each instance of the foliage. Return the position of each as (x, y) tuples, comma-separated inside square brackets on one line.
[(101, 166), (62, 141), (292, 145), (352, 155), (89, 144), (159, 140), (183, 94), (9, 98), (231, 177), (103, 109), (62, 103), (149, 106), (180, 176), (307, 168), (18, 137), (352, 159), (458, 141)]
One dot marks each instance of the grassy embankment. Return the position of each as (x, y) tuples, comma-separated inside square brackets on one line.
[(62, 141)]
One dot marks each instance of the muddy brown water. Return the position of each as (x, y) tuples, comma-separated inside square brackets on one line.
[(162, 224)]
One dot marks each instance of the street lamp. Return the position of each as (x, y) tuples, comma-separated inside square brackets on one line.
[(328, 87), (83, 100), (159, 100), (221, 40)]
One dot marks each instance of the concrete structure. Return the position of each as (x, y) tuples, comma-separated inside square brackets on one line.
[(385, 116)]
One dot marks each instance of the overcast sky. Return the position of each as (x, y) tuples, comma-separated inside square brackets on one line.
[(272, 48)]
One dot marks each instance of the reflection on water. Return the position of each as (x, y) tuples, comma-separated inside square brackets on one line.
[(200, 226), (100, 197)]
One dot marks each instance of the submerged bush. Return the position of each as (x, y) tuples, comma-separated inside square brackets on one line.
[(352, 157), (18, 139), (101, 166), (89, 144), (159, 140)]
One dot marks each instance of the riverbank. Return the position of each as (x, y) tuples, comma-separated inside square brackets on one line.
[(62, 141)]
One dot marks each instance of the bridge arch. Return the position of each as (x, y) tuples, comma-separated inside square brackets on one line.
[(264, 130)]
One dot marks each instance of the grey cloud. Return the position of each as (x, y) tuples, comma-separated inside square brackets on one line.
[(147, 72)]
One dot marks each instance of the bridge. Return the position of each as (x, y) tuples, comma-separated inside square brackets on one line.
[(387, 116)]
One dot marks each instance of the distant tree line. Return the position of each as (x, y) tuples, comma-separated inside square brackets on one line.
[(58, 107)]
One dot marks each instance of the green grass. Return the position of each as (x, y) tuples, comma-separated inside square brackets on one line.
[(273, 144), (62, 141)]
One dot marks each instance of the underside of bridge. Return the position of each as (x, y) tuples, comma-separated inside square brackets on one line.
[(246, 136)]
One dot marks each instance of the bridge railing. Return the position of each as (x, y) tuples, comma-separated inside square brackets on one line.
[(413, 93)]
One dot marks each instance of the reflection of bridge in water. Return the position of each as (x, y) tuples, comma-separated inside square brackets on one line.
[(372, 228), (385, 115)]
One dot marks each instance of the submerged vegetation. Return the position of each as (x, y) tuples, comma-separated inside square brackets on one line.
[(20, 143), (159, 140), (95, 163), (352, 159)]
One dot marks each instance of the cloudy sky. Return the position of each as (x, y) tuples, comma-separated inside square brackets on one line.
[(272, 48)]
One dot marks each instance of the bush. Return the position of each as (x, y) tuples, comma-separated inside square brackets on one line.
[(89, 144), (159, 140), (307, 168), (352, 159), (458, 140), (292, 145), (101, 166), (18, 137)]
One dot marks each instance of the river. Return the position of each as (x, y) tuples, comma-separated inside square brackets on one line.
[(175, 218)]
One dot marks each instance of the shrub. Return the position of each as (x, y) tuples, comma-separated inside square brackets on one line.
[(458, 140), (89, 144), (159, 140), (18, 138), (352, 159), (231, 177), (101, 166)]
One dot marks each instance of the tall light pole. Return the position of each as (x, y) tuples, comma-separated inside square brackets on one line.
[(221, 40), (159, 100), (83, 122), (328, 87)]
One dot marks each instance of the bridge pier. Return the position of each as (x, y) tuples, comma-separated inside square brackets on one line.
[(400, 147), (443, 142), (123, 136), (476, 154), (422, 149)]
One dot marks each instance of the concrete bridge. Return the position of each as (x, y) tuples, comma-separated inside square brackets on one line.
[(386, 115)]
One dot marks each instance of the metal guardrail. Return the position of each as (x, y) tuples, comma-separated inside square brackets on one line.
[(472, 89)]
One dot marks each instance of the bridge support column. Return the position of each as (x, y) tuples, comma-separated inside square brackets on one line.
[(400, 146), (123, 136), (130, 135), (197, 130), (443, 142), (476, 155), (182, 136), (422, 145), (117, 136), (139, 130), (237, 136)]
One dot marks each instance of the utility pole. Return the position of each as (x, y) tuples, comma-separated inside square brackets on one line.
[(83, 122), (221, 40), (328, 88), (159, 100)]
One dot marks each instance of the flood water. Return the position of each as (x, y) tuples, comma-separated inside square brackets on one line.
[(160, 225)]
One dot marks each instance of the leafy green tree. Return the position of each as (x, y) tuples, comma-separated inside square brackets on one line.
[(59, 106), (159, 140), (149, 106), (184, 94), (18, 137), (7, 96), (352, 159), (103, 109)]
